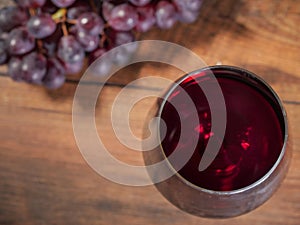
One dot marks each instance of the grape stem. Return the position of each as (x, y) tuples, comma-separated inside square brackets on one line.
[(64, 29), (102, 41), (40, 46), (71, 21), (32, 12), (60, 17), (92, 3)]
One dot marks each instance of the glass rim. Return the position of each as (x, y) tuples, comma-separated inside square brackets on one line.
[(282, 112)]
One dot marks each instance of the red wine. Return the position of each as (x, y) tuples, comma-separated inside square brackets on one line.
[(254, 131)]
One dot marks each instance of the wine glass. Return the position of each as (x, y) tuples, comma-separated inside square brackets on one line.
[(225, 160)]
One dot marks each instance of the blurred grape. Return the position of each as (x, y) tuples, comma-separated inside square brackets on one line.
[(187, 16), (63, 3), (188, 10), (55, 76), (43, 40), (69, 50), (73, 68), (34, 67), (191, 5), (119, 37), (140, 2), (121, 55), (3, 52), (3, 35), (11, 17), (146, 18), (91, 23), (41, 26), (123, 17), (14, 68), (19, 41), (78, 8), (30, 3), (49, 7), (88, 42), (107, 7), (50, 43), (101, 67), (165, 15)]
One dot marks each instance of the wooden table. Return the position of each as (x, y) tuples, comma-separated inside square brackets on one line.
[(45, 180)]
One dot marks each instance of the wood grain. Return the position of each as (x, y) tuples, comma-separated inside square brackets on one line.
[(45, 180)]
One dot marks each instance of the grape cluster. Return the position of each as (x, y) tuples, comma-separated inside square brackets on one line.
[(43, 40)]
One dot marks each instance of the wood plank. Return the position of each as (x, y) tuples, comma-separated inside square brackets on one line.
[(45, 179)]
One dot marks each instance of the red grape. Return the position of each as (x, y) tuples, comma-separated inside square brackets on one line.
[(191, 5), (188, 10), (14, 69), (3, 35), (91, 23), (103, 67), (119, 37), (121, 56), (78, 8), (37, 35), (187, 16), (69, 50), (106, 10), (30, 3), (146, 18), (63, 3), (11, 17), (165, 14), (73, 68), (96, 54), (88, 42), (50, 43), (41, 26), (139, 2), (3, 52), (34, 67), (55, 76), (123, 17), (20, 41), (49, 7)]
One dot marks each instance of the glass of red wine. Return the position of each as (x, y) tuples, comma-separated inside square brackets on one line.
[(252, 154)]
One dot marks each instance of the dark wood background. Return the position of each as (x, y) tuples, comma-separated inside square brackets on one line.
[(45, 180)]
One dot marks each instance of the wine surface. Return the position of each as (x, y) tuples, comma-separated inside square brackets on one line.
[(253, 137)]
